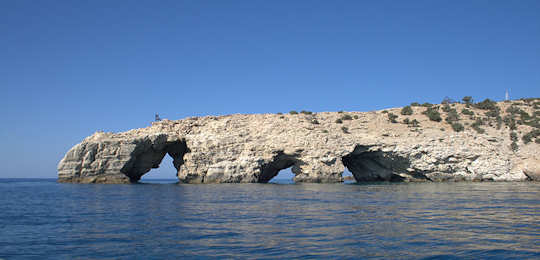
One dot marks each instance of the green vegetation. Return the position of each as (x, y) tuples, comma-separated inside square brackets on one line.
[(499, 122), (458, 127), (406, 110), (510, 122), (452, 116), (487, 104), (467, 112), (279, 113), (514, 146), (384, 111), (355, 116), (495, 112), (293, 112), (427, 105), (527, 138), (346, 117), (446, 108), (340, 111), (432, 114), (513, 136), (411, 123), (345, 129), (513, 109), (325, 131), (476, 126), (467, 100), (306, 112), (415, 104), (392, 117), (528, 100), (338, 121)]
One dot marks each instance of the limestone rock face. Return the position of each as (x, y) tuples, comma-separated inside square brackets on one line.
[(254, 148)]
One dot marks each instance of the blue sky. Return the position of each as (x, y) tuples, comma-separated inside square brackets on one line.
[(70, 68)]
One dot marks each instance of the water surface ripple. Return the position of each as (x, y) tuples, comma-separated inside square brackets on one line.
[(43, 219)]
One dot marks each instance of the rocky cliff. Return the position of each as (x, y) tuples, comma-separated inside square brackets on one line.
[(471, 142)]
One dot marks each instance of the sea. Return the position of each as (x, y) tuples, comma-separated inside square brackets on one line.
[(159, 219)]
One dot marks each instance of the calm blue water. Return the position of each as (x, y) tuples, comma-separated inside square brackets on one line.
[(43, 219)]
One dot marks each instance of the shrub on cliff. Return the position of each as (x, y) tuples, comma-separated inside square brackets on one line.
[(339, 121), (346, 117), (476, 126), (514, 146), (392, 117), (406, 110), (411, 123), (293, 112), (467, 112), (415, 104), (499, 122), (525, 116), (495, 112), (513, 109), (527, 138), (452, 116), (345, 129), (306, 112), (510, 122), (457, 127), (467, 99), (446, 108), (487, 104), (432, 114), (513, 136)]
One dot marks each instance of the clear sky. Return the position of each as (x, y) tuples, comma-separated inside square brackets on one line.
[(70, 68)]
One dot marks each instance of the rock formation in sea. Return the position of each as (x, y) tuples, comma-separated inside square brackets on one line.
[(446, 142)]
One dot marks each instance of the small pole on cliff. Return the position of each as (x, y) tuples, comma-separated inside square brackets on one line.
[(157, 118)]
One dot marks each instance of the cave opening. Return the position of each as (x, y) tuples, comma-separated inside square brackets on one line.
[(152, 158), (281, 169), (285, 176), (164, 174), (368, 165)]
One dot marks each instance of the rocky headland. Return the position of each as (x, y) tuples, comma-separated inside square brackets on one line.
[(485, 141)]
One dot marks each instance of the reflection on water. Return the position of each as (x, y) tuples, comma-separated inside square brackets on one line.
[(43, 218)]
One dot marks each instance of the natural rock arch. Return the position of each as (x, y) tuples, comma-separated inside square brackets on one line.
[(150, 155), (280, 162)]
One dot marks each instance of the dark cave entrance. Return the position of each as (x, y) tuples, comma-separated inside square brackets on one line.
[(367, 165)]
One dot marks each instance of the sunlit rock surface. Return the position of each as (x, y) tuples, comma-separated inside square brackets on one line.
[(254, 148)]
